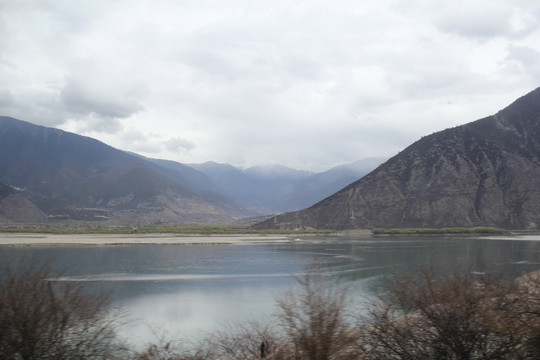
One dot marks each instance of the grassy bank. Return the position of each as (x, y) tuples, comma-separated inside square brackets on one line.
[(198, 229), (443, 231)]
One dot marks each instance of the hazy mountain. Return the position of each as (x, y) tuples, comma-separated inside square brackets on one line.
[(72, 176), (75, 177), (276, 188), (276, 183), (485, 173), (197, 182), (235, 185), (315, 187)]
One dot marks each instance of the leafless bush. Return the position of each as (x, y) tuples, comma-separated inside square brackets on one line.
[(315, 320), (524, 314), (460, 317), (241, 341), (313, 323), (252, 340), (40, 319), (157, 352), (164, 349)]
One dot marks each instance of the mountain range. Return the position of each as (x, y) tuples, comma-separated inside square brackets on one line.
[(69, 176), (51, 174), (275, 188), (484, 173)]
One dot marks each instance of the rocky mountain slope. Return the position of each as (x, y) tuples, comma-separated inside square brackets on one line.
[(75, 177), (485, 173), (16, 208)]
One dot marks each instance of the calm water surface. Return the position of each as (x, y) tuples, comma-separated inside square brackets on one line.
[(193, 289)]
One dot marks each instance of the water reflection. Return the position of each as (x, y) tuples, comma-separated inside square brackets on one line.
[(192, 289)]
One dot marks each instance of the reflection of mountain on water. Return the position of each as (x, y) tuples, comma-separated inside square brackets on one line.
[(137, 270), (117, 277), (133, 271), (190, 287)]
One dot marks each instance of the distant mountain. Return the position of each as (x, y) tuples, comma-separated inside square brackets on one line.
[(197, 182), (69, 176), (76, 177), (275, 188), (235, 185), (275, 184), (16, 208), (315, 187), (485, 173)]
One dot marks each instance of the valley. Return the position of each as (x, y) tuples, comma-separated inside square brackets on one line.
[(52, 176), (485, 173)]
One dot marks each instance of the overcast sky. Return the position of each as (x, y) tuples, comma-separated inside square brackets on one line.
[(307, 84)]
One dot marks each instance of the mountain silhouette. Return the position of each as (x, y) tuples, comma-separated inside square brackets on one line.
[(69, 176), (484, 173)]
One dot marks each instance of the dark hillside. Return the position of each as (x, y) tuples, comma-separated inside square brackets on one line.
[(15, 208), (72, 176), (485, 173)]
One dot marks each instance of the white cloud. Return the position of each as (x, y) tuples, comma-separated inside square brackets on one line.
[(307, 84)]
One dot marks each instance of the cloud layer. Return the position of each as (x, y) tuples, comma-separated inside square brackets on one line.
[(308, 84)]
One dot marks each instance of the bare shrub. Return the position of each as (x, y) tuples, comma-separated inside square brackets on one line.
[(524, 317), (241, 341), (252, 340), (40, 319), (157, 352), (460, 317), (315, 320), (163, 349)]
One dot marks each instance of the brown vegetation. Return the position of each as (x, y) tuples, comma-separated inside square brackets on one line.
[(316, 320), (464, 316), (460, 317), (40, 319)]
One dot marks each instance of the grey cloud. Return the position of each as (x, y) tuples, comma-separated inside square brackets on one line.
[(178, 144), (132, 135), (529, 59), (85, 98), (92, 123), (476, 22), (211, 63), (526, 55), (145, 147), (137, 141), (6, 99), (37, 106), (482, 20)]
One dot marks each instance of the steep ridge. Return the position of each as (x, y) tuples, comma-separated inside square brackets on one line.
[(76, 177), (485, 173)]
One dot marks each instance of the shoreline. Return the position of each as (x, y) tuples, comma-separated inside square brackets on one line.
[(44, 239), (37, 239)]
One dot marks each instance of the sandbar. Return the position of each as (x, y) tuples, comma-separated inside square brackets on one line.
[(532, 237), (37, 239), (41, 239)]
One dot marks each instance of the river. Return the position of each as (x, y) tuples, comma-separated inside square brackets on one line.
[(190, 290)]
